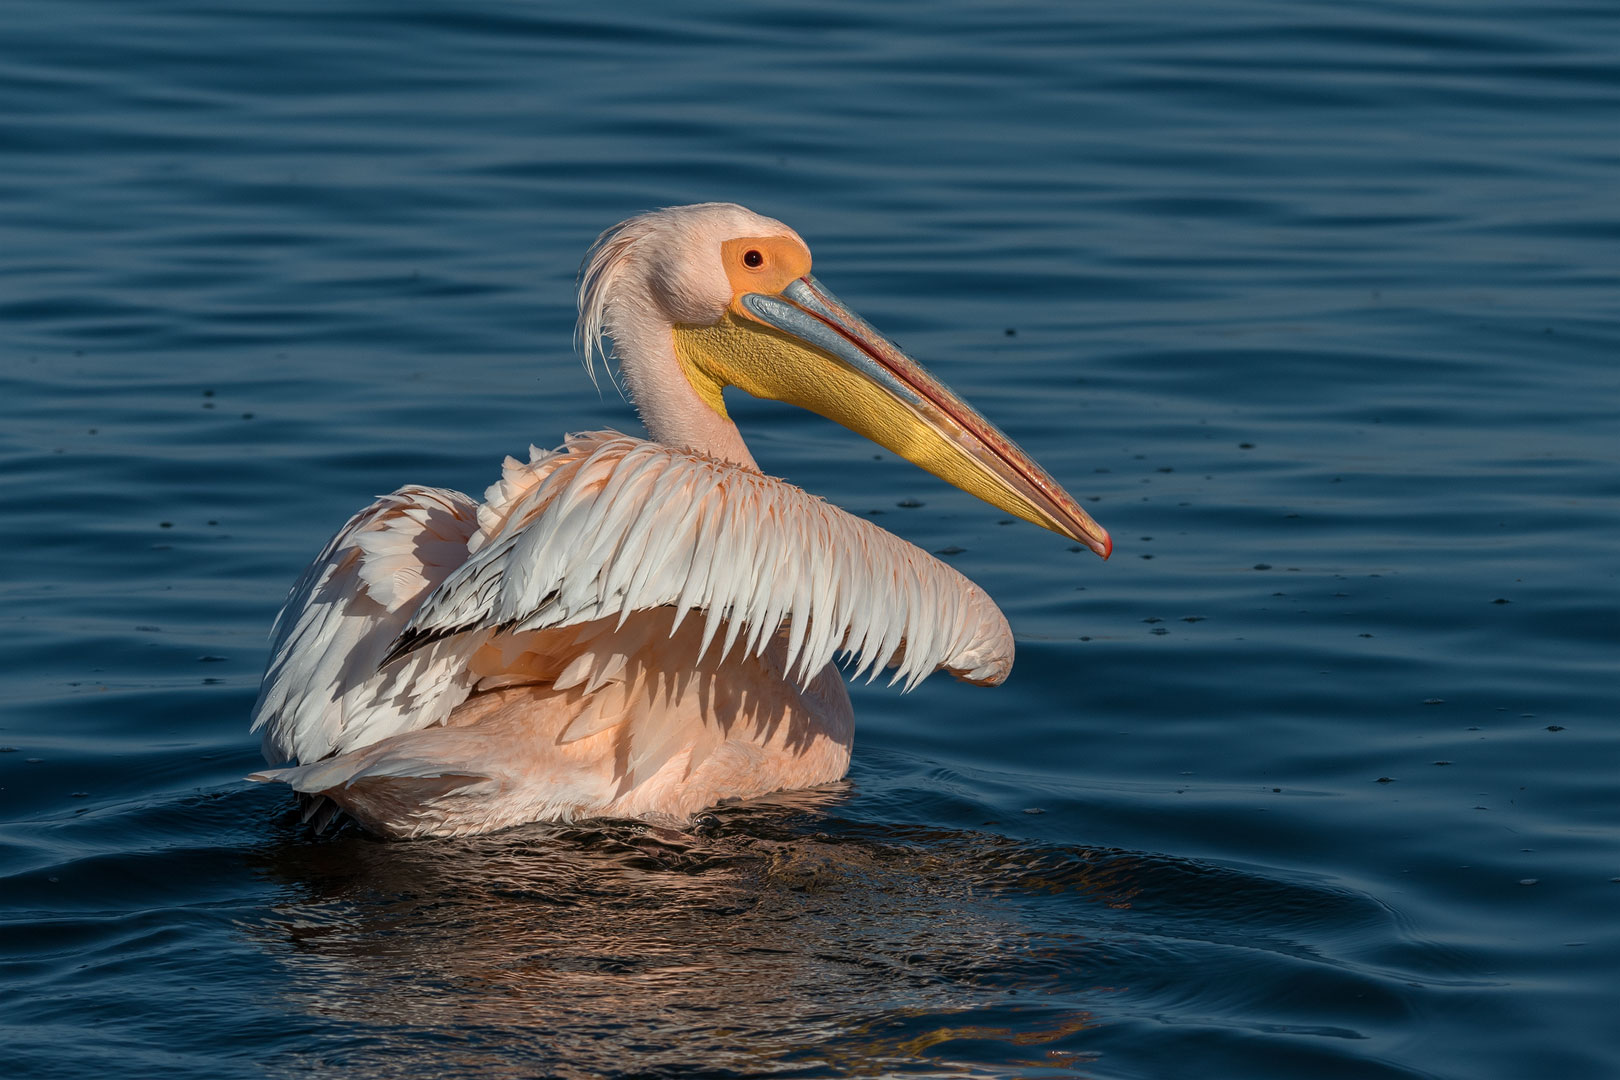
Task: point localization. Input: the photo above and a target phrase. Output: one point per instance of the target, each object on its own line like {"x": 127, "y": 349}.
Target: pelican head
{"x": 699, "y": 298}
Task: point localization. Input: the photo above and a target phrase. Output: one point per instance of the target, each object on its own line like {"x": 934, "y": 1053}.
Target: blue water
{"x": 1315, "y": 307}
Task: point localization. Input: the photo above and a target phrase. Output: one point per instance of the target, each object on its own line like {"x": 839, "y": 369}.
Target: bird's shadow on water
{"x": 782, "y": 935}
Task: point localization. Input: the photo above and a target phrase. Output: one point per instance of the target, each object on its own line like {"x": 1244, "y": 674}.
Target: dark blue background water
{"x": 1316, "y": 304}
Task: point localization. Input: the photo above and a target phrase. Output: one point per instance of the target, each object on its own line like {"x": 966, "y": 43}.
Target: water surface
{"x": 1314, "y": 307}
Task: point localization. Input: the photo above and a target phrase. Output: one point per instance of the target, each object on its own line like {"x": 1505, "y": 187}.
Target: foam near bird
{"x": 644, "y": 627}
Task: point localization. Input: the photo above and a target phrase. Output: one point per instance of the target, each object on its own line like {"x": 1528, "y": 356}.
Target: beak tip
{"x": 1094, "y": 538}
{"x": 1089, "y": 533}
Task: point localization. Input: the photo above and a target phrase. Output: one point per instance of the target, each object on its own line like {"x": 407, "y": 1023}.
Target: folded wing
{"x": 323, "y": 693}
{"x": 613, "y": 525}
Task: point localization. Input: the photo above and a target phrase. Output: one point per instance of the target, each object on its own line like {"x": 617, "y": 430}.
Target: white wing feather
{"x": 323, "y": 693}
{"x": 611, "y": 525}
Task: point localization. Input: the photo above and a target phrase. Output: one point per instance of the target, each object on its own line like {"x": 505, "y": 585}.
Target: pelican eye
{"x": 753, "y": 259}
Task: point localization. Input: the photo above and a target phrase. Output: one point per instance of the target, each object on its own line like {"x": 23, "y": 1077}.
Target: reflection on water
{"x": 769, "y": 937}
{"x": 566, "y": 949}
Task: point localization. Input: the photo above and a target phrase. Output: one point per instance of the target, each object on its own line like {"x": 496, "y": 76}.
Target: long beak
{"x": 803, "y": 346}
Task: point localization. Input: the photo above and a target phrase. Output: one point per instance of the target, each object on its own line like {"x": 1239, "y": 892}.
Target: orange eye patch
{"x": 763, "y": 264}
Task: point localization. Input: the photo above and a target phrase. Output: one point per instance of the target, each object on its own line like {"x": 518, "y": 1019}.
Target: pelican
{"x": 643, "y": 628}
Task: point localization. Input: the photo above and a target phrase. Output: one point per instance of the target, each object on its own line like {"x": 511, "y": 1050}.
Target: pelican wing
{"x": 323, "y": 692}
{"x": 612, "y": 525}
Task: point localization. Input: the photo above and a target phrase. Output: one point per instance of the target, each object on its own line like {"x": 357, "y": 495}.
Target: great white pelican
{"x": 635, "y": 627}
